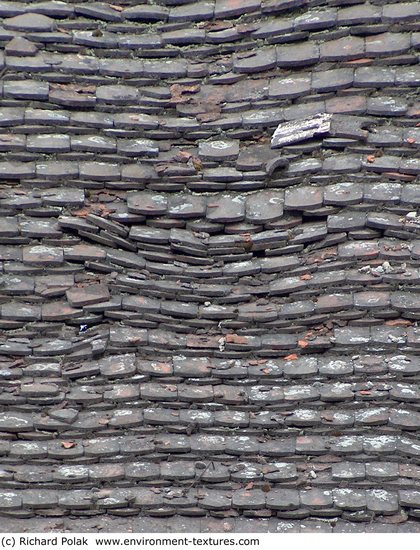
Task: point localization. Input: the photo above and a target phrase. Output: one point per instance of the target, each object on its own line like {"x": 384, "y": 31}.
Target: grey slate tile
{"x": 72, "y": 99}
{"x": 386, "y": 106}
{"x": 48, "y": 143}
{"x": 20, "y": 46}
{"x": 117, "y": 94}
{"x": 326, "y": 81}
{"x": 43, "y": 255}
{"x": 289, "y": 87}
{"x": 224, "y": 8}
{"x": 219, "y": 150}
{"x": 387, "y": 44}
{"x": 55, "y": 9}
{"x": 283, "y": 499}
{"x": 198, "y": 11}
{"x": 263, "y": 60}
{"x": 93, "y": 144}
{"x": 11, "y": 9}
{"x": 26, "y": 89}
{"x": 342, "y": 49}
{"x": 146, "y": 13}
{"x": 276, "y": 27}
{"x": 350, "y": 499}
{"x": 226, "y": 209}
{"x": 300, "y": 55}
{"x": 359, "y": 14}
{"x": 30, "y": 22}
{"x": 138, "y": 148}
{"x": 98, "y": 10}
{"x": 87, "y": 295}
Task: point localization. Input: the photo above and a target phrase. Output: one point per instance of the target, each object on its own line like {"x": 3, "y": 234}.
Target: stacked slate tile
{"x": 210, "y": 265}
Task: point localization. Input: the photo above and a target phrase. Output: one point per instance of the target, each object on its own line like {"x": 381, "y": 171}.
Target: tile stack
{"x": 195, "y": 323}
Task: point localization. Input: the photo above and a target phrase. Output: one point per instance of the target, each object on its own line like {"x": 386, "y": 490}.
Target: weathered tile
{"x": 303, "y": 198}
{"x": 43, "y": 255}
{"x": 299, "y": 130}
{"x": 227, "y": 8}
{"x": 32, "y": 22}
{"x": 219, "y": 150}
{"x": 299, "y": 55}
{"x": 127, "y": 336}
{"x": 289, "y": 87}
{"x": 259, "y": 61}
{"x": 226, "y": 209}
{"x": 20, "y": 46}
{"x": 145, "y": 13}
{"x": 341, "y": 49}
{"x": 147, "y": 204}
{"x": 26, "y": 89}
{"x": 90, "y": 294}
{"x": 117, "y": 366}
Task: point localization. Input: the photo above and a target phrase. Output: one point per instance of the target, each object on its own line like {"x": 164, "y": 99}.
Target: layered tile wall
{"x": 193, "y": 323}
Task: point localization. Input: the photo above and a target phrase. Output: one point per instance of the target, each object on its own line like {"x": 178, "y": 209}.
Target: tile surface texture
{"x": 200, "y": 331}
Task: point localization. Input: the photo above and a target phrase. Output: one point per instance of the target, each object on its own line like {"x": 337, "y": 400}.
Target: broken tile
{"x": 86, "y": 295}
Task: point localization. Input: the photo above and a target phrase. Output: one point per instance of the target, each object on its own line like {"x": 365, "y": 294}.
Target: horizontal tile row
{"x": 294, "y": 85}
{"x": 375, "y": 501}
{"x": 289, "y": 474}
{"x": 69, "y": 420}
{"x": 302, "y": 54}
{"x": 380, "y": 304}
{"x": 246, "y": 221}
{"x": 202, "y": 444}
{"x": 217, "y": 179}
{"x": 219, "y": 9}
{"x": 270, "y": 345}
{"x": 195, "y": 369}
